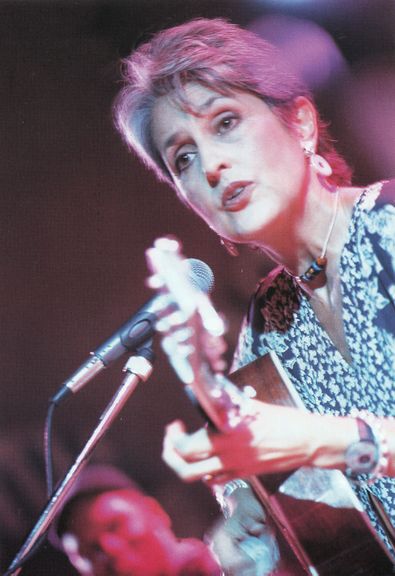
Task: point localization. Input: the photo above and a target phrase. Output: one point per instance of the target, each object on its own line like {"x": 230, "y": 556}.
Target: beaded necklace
{"x": 319, "y": 264}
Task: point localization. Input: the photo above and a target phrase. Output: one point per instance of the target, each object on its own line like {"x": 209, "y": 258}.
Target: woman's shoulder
{"x": 387, "y": 193}
{"x": 374, "y": 226}
{"x": 374, "y": 213}
{"x": 378, "y": 196}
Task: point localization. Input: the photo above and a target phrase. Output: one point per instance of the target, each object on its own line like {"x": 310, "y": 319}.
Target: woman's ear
{"x": 305, "y": 122}
{"x": 306, "y": 127}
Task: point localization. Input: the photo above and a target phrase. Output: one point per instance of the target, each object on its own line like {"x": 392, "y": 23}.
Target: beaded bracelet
{"x": 380, "y": 439}
{"x": 223, "y": 493}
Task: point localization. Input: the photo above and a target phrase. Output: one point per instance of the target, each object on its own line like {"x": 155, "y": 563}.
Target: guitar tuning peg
{"x": 155, "y": 281}
{"x": 168, "y": 244}
{"x": 178, "y": 355}
{"x": 171, "y": 321}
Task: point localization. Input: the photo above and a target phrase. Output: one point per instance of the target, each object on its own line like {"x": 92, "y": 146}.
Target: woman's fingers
{"x": 213, "y": 457}
{"x": 189, "y": 455}
{"x": 195, "y": 446}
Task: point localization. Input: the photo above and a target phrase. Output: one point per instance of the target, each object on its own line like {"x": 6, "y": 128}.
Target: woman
{"x": 214, "y": 112}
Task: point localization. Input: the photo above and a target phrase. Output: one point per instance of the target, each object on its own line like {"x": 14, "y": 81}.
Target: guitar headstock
{"x": 193, "y": 334}
{"x": 191, "y": 315}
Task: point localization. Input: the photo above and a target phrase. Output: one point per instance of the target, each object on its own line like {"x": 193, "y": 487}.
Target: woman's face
{"x": 232, "y": 160}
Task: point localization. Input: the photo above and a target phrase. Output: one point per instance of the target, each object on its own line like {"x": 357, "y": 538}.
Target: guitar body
{"x": 317, "y": 507}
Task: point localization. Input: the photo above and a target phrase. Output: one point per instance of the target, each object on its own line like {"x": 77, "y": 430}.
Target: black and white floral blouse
{"x": 281, "y": 319}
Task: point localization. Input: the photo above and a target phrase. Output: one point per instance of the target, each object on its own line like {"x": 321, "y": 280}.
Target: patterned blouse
{"x": 281, "y": 319}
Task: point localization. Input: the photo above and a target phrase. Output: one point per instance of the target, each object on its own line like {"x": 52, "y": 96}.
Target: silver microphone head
{"x": 200, "y": 275}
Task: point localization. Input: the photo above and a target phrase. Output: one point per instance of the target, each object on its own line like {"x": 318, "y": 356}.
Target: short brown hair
{"x": 219, "y": 55}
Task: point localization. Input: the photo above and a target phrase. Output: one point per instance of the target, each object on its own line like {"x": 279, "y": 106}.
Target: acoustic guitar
{"x": 321, "y": 527}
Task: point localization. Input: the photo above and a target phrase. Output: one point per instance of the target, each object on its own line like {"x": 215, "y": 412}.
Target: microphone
{"x": 136, "y": 331}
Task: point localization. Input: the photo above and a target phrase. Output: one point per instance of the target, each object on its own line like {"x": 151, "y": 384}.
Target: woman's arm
{"x": 275, "y": 439}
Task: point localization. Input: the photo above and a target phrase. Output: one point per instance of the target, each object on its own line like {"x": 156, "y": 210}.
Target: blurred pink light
{"x": 308, "y": 48}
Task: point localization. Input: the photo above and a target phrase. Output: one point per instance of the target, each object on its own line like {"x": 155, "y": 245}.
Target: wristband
{"x": 224, "y": 491}
{"x": 369, "y": 456}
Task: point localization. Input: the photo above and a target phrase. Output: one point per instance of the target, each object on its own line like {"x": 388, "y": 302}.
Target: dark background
{"x": 78, "y": 212}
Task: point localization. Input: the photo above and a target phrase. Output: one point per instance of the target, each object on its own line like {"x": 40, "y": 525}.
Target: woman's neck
{"x": 322, "y": 218}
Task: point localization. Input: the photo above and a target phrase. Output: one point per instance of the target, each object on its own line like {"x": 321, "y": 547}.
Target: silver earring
{"x": 318, "y": 162}
{"x": 229, "y": 247}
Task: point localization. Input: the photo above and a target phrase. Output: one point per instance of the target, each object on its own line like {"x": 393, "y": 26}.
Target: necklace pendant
{"x": 318, "y": 265}
{"x": 315, "y": 268}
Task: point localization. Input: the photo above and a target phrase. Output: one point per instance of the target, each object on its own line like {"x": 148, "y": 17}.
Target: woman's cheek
{"x": 191, "y": 197}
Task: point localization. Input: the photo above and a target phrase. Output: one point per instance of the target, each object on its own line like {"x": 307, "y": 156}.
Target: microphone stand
{"x": 138, "y": 368}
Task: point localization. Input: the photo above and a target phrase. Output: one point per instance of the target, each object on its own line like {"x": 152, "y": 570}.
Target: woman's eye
{"x": 183, "y": 160}
{"x": 226, "y": 123}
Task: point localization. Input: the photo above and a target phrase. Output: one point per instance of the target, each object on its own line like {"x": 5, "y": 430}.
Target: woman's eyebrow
{"x": 175, "y": 138}
{"x": 209, "y": 102}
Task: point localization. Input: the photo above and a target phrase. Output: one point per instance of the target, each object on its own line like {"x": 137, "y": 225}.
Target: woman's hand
{"x": 245, "y": 543}
{"x": 275, "y": 439}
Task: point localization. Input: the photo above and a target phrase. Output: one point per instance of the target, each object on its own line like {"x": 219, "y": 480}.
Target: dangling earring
{"x": 320, "y": 165}
{"x": 229, "y": 247}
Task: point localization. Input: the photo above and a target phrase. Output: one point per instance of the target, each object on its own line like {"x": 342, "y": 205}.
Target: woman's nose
{"x": 214, "y": 172}
{"x": 214, "y": 162}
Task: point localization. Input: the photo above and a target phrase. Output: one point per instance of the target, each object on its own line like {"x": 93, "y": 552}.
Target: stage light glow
{"x": 310, "y": 49}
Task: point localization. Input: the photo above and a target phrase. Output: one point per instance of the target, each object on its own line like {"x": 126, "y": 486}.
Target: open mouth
{"x": 236, "y": 196}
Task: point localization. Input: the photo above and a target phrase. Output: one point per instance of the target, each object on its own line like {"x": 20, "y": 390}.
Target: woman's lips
{"x": 236, "y": 196}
